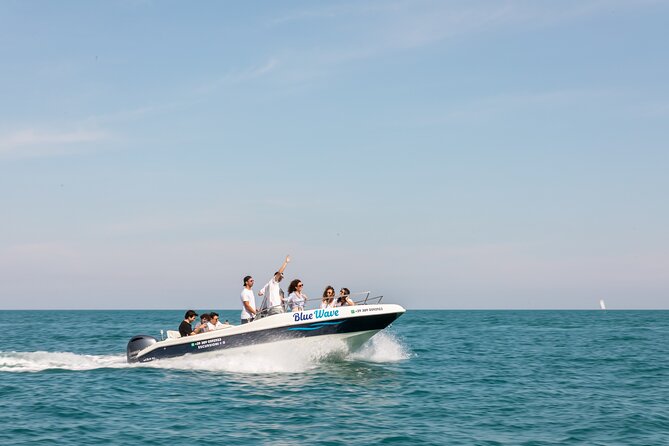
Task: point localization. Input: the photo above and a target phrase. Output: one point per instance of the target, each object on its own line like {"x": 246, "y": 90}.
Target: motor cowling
{"x": 138, "y": 343}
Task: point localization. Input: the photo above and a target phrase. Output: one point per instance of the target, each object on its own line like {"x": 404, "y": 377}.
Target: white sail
{"x": 601, "y": 304}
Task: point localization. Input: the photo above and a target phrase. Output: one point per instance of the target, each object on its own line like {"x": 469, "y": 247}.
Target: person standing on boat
{"x": 248, "y": 301}
{"x": 296, "y": 298}
{"x": 274, "y": 296}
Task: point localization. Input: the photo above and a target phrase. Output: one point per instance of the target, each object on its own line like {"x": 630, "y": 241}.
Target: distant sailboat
{"x": 601, "y": 304}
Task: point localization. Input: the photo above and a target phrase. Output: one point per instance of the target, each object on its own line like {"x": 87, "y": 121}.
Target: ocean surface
{"x": 433, "y": 377}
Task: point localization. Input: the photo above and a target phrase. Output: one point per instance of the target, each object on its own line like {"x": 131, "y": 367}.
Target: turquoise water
{"x": 433, "y": 377}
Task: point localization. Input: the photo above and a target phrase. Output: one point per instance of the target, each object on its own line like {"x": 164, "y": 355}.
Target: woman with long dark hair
{"x": 296, "y": 298}
{"x": 328, "y": 297}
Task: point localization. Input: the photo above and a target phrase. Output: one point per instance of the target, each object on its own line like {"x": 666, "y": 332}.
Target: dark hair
{"x": 246, "y": 279}
{"x": 293, "y": 285}
{"x": 204, "y": 316}
{"x": 213, "y": 314}
{"x": 342, "y": 298}
{"x": 190, "y": 313}
{"x": 325, "y": 291}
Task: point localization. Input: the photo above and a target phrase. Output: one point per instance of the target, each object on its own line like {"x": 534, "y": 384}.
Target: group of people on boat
{"x": 208, "y": 322}
{"x": 274, "y": 302}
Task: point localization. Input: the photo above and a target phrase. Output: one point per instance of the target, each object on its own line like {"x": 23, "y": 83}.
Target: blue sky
{"x": 475, "y": 154}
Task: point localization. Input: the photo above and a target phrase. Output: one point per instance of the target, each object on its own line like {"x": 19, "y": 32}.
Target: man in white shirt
{"x": 274, "y": 298}
{"x": 248, "y": 301}
{"x": 214, "y": 323}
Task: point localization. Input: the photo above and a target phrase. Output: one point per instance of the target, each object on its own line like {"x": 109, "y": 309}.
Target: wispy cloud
{"x": 35, "y": 143}
{"x": 239, "y": 76}
{"x": 400, "y": 25}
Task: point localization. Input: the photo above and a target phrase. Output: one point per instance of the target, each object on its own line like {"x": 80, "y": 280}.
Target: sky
{"x": 443, "y": 154}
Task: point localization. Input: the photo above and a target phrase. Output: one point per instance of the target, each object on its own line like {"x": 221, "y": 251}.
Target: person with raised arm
{"x": 274, "y": 299}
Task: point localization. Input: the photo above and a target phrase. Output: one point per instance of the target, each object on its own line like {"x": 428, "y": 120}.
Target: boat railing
{"x": 359, "y": 298}
{"x": 367, "y": 300}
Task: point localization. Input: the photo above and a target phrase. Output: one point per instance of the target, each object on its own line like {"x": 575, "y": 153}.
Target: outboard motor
{"x": 138, "y": 343}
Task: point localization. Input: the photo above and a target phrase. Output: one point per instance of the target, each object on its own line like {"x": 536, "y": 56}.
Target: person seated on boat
{"x": 344, "y": 298}
{"x": 185, "y": 329}
{"x": 328, "y": 297}
{"x": 202, "y": 325}
{"x": 296, "y": 298}
{"x": 214, "y": 323}
{"x": 274, "y": 298}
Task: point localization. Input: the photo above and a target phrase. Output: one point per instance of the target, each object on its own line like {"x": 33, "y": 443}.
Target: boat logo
{"x": 317, "y": 314}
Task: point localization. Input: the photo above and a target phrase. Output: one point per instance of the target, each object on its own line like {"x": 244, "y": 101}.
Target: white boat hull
{"x": 352, "y": 325}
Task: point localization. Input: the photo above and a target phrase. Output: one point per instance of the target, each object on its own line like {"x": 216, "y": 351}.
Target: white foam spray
{"x": 279, "y": 357}
{"x": 39, "y": 361}
{"x": 384, "y": 347}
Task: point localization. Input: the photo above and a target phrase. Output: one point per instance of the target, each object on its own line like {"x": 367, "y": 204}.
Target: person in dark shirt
{"x": 185, "y": 329}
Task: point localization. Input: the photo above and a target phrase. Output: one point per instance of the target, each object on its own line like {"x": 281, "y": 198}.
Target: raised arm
{"x": 285, "y": 263}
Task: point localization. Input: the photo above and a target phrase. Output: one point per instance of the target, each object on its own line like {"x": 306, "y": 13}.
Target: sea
{"x": 434, "y": 377}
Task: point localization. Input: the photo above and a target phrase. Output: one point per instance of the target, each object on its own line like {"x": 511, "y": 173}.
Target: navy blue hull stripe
{"x": 314, "y": 326}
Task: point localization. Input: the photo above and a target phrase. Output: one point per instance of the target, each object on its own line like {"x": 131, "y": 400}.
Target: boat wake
{"x": 39, "y": 361}
{"x": 267, "y": 358}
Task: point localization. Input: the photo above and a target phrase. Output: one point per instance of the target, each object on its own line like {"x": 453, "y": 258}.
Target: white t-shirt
{"x": 247, "y": 296}
{"x": 218, "y": 326}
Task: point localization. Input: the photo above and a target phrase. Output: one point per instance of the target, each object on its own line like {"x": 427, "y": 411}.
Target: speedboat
{"x": 351, "y": 324}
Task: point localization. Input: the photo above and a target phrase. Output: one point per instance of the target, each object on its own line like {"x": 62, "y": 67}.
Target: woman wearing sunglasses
{"x": 344, "y": 298}
{"x": 328, "y": 297}
{"x": 296, "y": 298}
